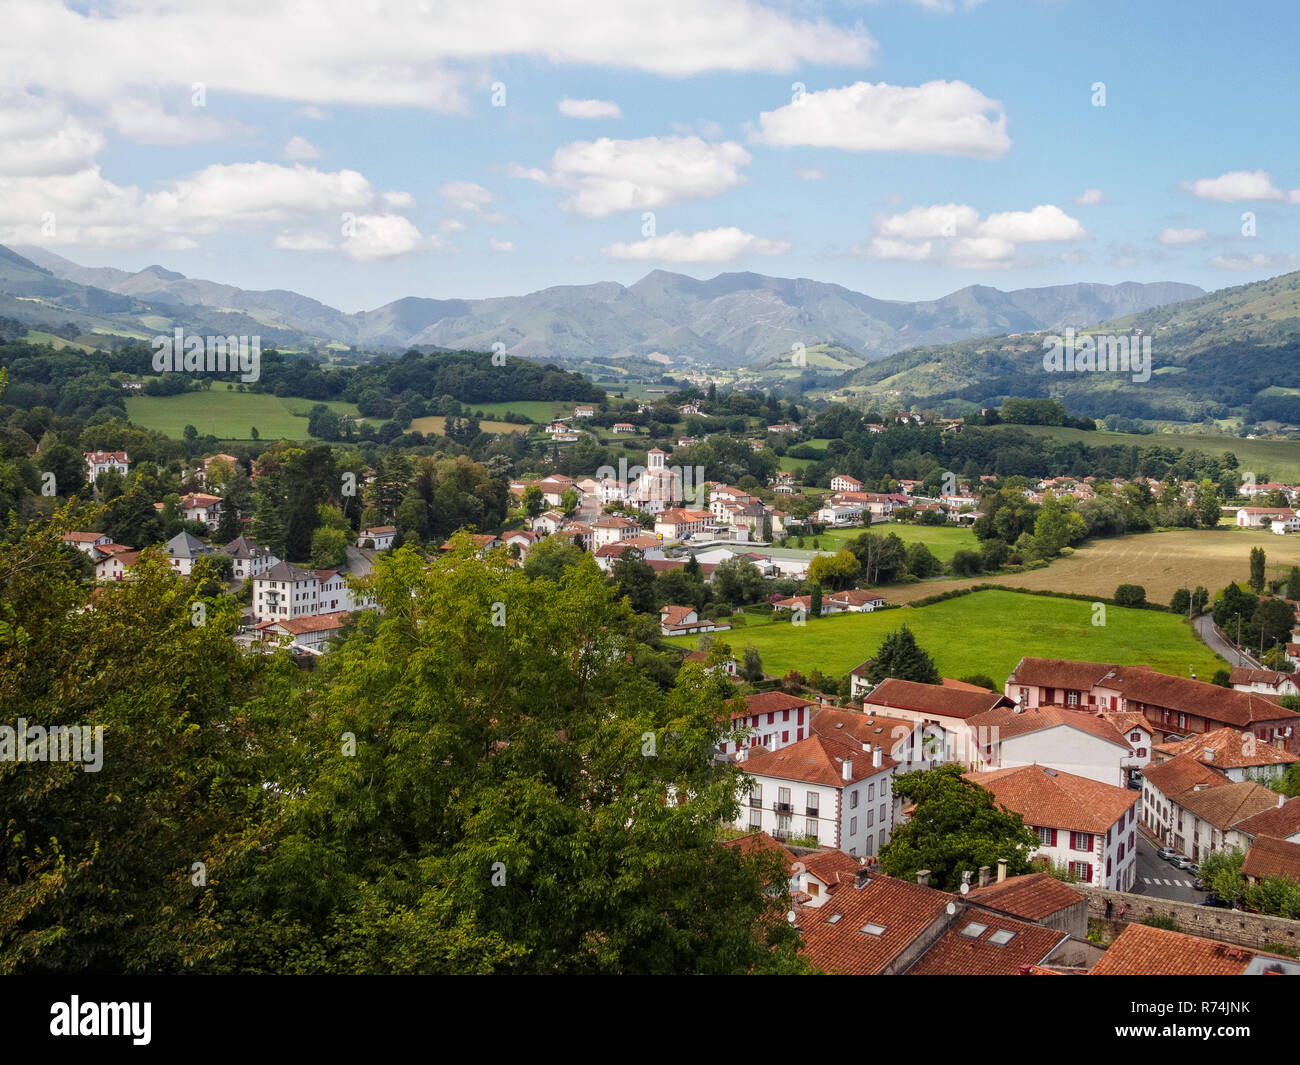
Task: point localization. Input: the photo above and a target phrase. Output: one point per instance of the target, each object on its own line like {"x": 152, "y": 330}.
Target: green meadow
{"x": 985, "y": 632}
{"x": 228, "y": 415}
{"x": 944, "y": 541}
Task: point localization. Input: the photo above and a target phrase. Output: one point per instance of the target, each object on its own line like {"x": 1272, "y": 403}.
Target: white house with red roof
{"x": 829, "y": 791}
{"x": 842, "y": 482}
{"x": 380, "y": 536}
{"x": 1082, "y": 823}
{"x": 98, "y": 462}
{"x": 85, "y": 542}
{"x": 307, "y": 633}
{"x": 116, "y": 565}
{"x": 1072, "y": 740}
{"x": 201, "y": 507}
{"x": 772, "y": 720}
{"x": 611, "y": 528}
{"x": 676, "y": 523}
{"x": 685, "y": 620}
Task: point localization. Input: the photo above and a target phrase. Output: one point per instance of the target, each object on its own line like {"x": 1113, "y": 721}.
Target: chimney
{"x": 923, "y": 877}
{"x": 1209, "y": 754}
{"x": 877, "y": 757}
{"x": 1281, "y": 801}
{"x": 986, "y": 874}
{"x": 862, "y": 878}
{"x": 1002, "y": 869}
{"x": 847, "y": 769}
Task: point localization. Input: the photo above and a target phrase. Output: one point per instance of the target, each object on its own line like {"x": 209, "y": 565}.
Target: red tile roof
{"x": 1030, "y": 897}
{"x": 769, "y": 702}
{"x": 1181, "y": 774}
{"x": 969, "y": 948}
{"x": 1010, "y": 724}
{"x": 934, "y": 699}
{"x": 877, "y": 730}
{"x": 1058, "y": 673}
{"x": 814, "y": 760}
{"x": 1141, "y": 950}
{"x": 832, "y": 867}
{"x": 833, "y": 936}
{"x": 1227, "y": 804}
{"x": 1272, "y": 857}
{"x": 1280, "y": 822}
{"x": 1229, "y": 748}
{"x": 1052, "y": 798}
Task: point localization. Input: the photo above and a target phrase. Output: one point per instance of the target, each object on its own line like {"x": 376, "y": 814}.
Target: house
{"x": 1262, "y": 517}
{"x": 548, "y": 522}
{"x": 1039, "y": 898}
{"x": 624, "y": 427}
{"x": 1075, "y": 742}
{"x": 689, "y": 408}
{"x": 482, "y": 543}
{"x": 1082, "y": 823}
{"x": 1282, "y": 526}
{"x": 98, "y": 462}
{"x": 1271, "y": 857}
{"x": 201, "y": 507}
{"x": 380, "y": 536}
{"x": 649, "y": 548}
{"x": 1172, "y": 706}
{"x": 858, "y": 683}
{"x": 115, "y": 566}
{"x": 558, "y": 429}
{"x": 783, "y": 428}
{"x": 201, "y": 474}
{"x": 942, "y": 706}
{"x": 1134, "y": 728}
{"x": 677, "y": 523}
{"x": 1238, "y": 755}
{"x": 183, "y": 550}
{"x": 819, "y": 789}
{"x": 554, "y": 487}
{"x": 772, "y": 720}
{"x": 285, "y": 591}
{"x": 902, "y": 740}
{"x": 683, "y": 620}
{"x": 85, "y": 542}
{"x": 584, "y": 412}
{"x": 309, "y": 633}
{"x": 1196, "y": 809}
{"x": 612, "y": 528}
{"x": 842, "y": 482}
{"x": 519, "y": 542}
{"x": 1141, "y": 950}
{"x": 248, "y": 559}
{"x": 1264, "y": 681}
{"x": 730, "y": 666}
{"x": 817, "y": 877}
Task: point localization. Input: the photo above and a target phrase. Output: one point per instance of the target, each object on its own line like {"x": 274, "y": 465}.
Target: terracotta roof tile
{"x": 814, "y": 760}
{"x": 1181, "y": 774}
{"x": 1272, "y": 857}
{"x": 1231, "y": 749}
{"x": 987, "y": 944}
{"x": 934, "y": 699}
{"x": 1010, "y": 724}
{"x": 1030, "y": 897}
{"x": 1227, "y": 804}
{"x": 1055, "y": 799}
{"x": 1141, "y": 950}
{"x": 1279, "y": 822}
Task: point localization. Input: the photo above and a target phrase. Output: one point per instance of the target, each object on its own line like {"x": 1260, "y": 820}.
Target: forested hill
{"x": 1235, "y": 352}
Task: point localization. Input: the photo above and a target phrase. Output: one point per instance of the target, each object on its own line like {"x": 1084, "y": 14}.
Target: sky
{"x": 358, "y": 152}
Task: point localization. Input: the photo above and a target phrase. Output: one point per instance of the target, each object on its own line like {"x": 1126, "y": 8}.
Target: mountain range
{"x": 734, "y": 319}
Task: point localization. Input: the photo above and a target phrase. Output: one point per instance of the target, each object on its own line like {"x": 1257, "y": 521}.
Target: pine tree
{"x": 267, "y": 526}
{"x": 1257, "y": 561}
{"x": 902, "y": 658}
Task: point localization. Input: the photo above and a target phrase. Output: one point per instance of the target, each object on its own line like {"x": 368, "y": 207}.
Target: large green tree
{"x": 900, "y": 656}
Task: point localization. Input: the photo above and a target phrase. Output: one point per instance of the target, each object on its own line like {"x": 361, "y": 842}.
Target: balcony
{"x": 782, "y": 807}
{"x": 811, "y": 811}
{"x": 755, "y": 803}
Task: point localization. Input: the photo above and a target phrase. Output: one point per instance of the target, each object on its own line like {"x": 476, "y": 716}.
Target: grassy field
{"x": 1161, "y": 562}
{"x": 541, "y": 411}
{"x": 434, "y": 423}
{"x": 1278, "y": 459}
{"x": 227, "y": 415}
{"x": 944, "y": 541}
{"x": 986, "y": 632}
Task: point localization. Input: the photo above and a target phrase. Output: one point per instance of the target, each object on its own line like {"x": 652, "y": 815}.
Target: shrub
{"x": 1130, "y": 595}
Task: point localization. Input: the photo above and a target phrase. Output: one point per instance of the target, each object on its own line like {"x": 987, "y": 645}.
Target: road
{"x": 1158, "y": 879}
{"x": 1220, "y": 646}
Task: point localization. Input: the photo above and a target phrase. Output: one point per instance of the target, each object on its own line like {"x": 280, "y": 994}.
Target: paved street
{"x": 1159, "y": 879}
{"x": 1205, "y": 628}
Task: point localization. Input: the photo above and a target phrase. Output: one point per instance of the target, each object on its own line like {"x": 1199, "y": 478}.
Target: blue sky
{"x": 935, "y": 145}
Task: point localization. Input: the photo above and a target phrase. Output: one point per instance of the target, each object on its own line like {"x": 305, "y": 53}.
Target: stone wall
{"x": 1231, "y": 926}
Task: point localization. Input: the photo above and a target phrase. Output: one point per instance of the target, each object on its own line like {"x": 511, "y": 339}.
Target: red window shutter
{"x": 785, "y": 736}
{"x": 1053, "y": 843}
{"x": 1087, "y": 870}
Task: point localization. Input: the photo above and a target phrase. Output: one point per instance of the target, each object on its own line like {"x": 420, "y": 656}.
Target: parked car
{"x": 1214, "y": 900}
{"x": 1194, "y": 869}
{"x": 1181, "y": 862}
{"x": 1166, "y": 854}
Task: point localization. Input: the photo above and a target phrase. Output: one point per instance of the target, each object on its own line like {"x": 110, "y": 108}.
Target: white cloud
{"x": 381, "y": 236}
{"x": 1044, "y": 222}
{"x": 1239, "y": 186}
{"x": 451, "y": 225}
{"x": 312, "y": 112}
{"x": 981, "y": 253}
{"x": 225, "y": 194}
{"x": 396, "y": 53}
{"x": 398, "y": 200}
{"x": 1181, "y": 236}
{"x": 607, "y": 175}
{"x": 811, "y": 173}
{"x": 465, "y": 196}
{"x": 297, "y": 148}
{"x": 146, "y": 121}
{"x": 529, "y": 173}
{"x": 501, "y": 245}
{"x": 939, "y": 117}
{"x": 707, "y": 246}
{"x": 290, "y": 240}
{"x": 1258, "y": 261}
{"x": 1089, "y": 197}
{"x": 940, "y": 220}
{"x": 38, "y": 138}
{"x": 947, "y": 7}
{"x": 589, "y": 108}
{"x": 889, "y": 249}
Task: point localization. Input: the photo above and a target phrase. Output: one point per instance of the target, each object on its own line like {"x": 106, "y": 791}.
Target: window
{"x": 853, "y": 799}
{"x": 874, "y": 929}
{"x": 1083, "y": 870}
{"x": 1142, "y": 752}
{"x": 1001, "y": 937}
{"x": 974, "y": 930}
{"x": 1080, "y": 841}
{"x": 814, "y": 803}
{"x": 810, "y": 827}
{"x": 756, "y": 796}
{"x": 853, "y": 826}
{"x": 871, "y": 818}
{"x": 755, "y": 819}
{"x": 785, "y": 736}
{"x": 783, "y": 798}
{"x": 882, "y": 814}
{"x": 814, "y": 888}
{"x": 1182, "y": 721}
{"x": 1047, "y": 836}
{"x": 1072, "y": 699}
{"x": 871, "y": 793}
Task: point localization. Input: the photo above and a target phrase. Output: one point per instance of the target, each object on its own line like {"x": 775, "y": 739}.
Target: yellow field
{"x": 1160, "y": 562}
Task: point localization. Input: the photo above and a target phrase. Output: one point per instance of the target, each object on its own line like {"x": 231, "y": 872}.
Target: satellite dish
{"x": 952, "y": 908}
{"x": 790, "y": 916}
{"x": 965, "y": 888}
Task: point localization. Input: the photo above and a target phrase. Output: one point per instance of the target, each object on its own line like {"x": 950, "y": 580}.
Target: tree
{"x": 1293, "y": 584}
{"x": 1200, "y": 598}
{"x": 1133, "y": 595}
{"x": 955, "y": 827}
{"x": 1206, "y": 503}
{"x": 815, "y": 602}
{"x": 738, "y": 581}
{"x": 921, "y": 561}
{"x": 900, "y": 657}
{"x": 752, "y": 669}
{"x": 533, "y": 501}
{"x": 1181, "y": 602}
{"x": 836, "y": 571}
{"x": 1222, "y": 678}
{"x": 329, "y": 548}
{"x": 267, "y": 526}
{"x": 980, "y": 680}
{"x": 1257, "y": 563}
{"x": 634, "y": 578}
{"x": 1271, "y": 621}
{"x": 1231, "y": 603}
{"x": 1221, "y": 874}
{"x": 550, "y": 559}
{"x": 569, "y": 500}
{"x": 966, "y": 563}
